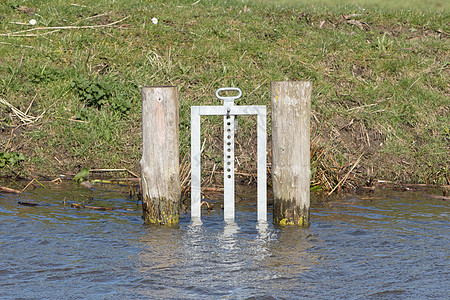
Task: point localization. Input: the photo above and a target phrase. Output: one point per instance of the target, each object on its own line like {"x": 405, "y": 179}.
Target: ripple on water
{"x": 395, "y": 247}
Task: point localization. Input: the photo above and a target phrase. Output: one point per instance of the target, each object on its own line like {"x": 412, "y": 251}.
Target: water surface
{"x": 393, "y": 245}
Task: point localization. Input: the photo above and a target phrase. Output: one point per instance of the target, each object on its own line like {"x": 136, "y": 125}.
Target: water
{"x": 394, "y": 245}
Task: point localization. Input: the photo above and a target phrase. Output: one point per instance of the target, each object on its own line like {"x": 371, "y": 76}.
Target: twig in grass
{"x": 56, "y": 180}
{"x": 255, "y": 89}
{"x": 78, "y": 5}
{"x": 31, "y": 103}
{"x": 185, "y": 173}
{"x": 412, "y": 85}
{"x": 90, "y": 18}
{"x": 8, "y": 190}
{"x": 29, "y": 183}
{"x": 363, "y": 106}
{"x": 9, "y": 140}
{"x": 24, "y": 46}
{"x": 24, "y": 117}
{"x": 212, "y": 174}
{"x": 39, "y": 183}
{"x": 359, "y": 24}
{"x": 114, "y": 170}
{"x": 207, "y": 205}
{"x": 76, "y": 205}
{"x": 57, "y": 28}
{"x": 309, "y": 65}
{"x": 19, "y": 23}
{"x": 30, "y": 34}
{"x": 125, "y": 180}
{"x": 71, "y": 120}
{"x": 346, "y": 175}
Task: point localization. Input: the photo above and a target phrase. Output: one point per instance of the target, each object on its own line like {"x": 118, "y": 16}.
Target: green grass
{"x": 383, "y": 4}
{"x": 380, "y": 73}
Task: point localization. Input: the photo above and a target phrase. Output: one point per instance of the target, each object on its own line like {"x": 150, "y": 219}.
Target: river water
{"x": 392, "y": 245}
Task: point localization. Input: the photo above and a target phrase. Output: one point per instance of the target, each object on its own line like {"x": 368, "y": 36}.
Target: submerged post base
{"x": 154, "y": 213}
{"x": 285, "y": 212}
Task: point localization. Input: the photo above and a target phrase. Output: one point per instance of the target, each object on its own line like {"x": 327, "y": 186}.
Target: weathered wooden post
{"x": 291, "y": 105}
{"x": 161, "y": 189}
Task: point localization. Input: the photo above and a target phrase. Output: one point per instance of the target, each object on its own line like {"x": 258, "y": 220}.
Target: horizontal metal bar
{"x": 233, "y": 110}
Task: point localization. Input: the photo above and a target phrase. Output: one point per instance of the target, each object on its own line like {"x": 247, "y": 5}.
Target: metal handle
{"x": 229, "y": 99}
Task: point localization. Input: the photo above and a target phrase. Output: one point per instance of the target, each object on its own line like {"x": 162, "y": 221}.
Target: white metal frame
{"x": 228, "y": 111}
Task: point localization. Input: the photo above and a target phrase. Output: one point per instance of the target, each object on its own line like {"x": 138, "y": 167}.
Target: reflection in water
{"x": 289, "y": 259}
{"x": 157, "y": 262}
{"x": 290, "y": 255}
{"x": 227, "y": 239}
{"x": 223, "y": 259}
{"x": 391, "y": 247}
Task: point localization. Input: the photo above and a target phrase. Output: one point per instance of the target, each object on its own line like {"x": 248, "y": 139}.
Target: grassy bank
{"x": 380, "y": 76}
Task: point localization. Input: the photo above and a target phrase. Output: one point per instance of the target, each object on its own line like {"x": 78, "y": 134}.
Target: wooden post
{"x": 161, "y": 189}
{"x": 291, "y": 105}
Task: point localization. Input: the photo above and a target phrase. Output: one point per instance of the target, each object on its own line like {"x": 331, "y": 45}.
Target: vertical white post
{"x": 262, "y": 164}
{"x": 195, "y": 163}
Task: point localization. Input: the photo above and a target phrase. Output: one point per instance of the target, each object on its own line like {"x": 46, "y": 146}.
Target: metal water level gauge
{"x": 229, "y": 111}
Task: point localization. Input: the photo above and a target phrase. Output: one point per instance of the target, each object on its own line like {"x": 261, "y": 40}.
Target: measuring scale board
{"x": 229, "y": 111}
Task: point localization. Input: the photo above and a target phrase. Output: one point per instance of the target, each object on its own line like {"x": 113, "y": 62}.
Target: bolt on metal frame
{"x": 229, "y": 111}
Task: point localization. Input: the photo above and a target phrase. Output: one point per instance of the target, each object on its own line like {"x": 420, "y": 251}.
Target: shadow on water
{"x": 391, "y": 245}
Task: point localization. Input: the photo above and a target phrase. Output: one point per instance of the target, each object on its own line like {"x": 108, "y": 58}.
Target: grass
{"x": 380, "y": 73}
{"x": 436, "y": 5}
